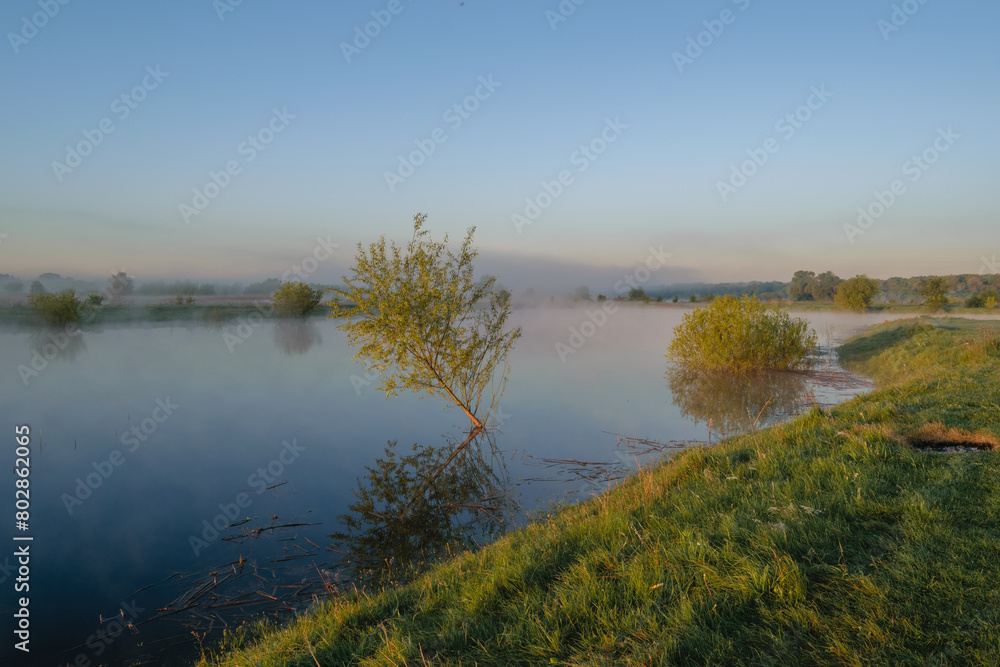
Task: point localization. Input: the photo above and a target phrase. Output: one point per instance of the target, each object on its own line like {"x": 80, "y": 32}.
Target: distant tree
{"x": 295, "y": 299}
{"x": 675, "y": 299}
{"x": 982, "y": 299}
{"x": 601, "y": 297}
{"x": 659, "y": 299}
{"x": 14, "y": 287}
{"x": 637, "y": 294}
{"x": 934, "y": 290}
{"x": 94, "y": 300}
{"x": 581, "y": 293}
{"x": 857, "y": 293}
{"x": 693, "y": 298}
{"x": 37, "y": 288}
{"x": 824, "y": 287}
{"x": 120, "y": 284}
{"x": 800, "y": 288}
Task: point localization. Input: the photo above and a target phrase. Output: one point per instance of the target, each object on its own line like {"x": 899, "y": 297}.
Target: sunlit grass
{"x": 825, "y": 541}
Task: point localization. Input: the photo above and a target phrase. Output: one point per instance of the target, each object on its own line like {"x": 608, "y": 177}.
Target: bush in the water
{"x": 56, "y": 309}
{"x": 295, "y": 299}
{"x": 741, "y": 335}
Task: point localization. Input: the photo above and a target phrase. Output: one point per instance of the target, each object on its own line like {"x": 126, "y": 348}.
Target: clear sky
{"x": 649, "y": 111}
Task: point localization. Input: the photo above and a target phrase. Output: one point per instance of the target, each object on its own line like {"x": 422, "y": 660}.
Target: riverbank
{"x": 842, "y": 537}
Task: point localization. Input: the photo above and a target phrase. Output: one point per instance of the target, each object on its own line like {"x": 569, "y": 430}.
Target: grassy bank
{"x": 834, "y": 539}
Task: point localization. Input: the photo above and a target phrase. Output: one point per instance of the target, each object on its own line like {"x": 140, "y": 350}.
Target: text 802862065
{"x": 22, "y": 513}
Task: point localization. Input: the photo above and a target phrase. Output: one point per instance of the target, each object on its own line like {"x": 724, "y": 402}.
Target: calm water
{"x": 142, "y": 438}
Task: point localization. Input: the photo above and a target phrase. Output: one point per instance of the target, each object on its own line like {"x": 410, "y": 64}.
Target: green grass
{"x": 828, "y": 540}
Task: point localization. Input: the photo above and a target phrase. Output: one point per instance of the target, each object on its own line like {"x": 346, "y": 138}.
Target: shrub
{"x": 741, "y": 335}
{"x": 295, "y": 299}
{"x": 94, "y": 300}
{"x": 985, "y": 299}
{"x": 56, "y": 309}
{"x": 857, "y": 293}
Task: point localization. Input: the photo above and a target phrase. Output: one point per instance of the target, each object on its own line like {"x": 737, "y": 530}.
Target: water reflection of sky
{"x": 286, "y": 383}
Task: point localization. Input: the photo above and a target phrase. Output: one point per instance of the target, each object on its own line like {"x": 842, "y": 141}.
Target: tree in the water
{"x": 424, "y": 322}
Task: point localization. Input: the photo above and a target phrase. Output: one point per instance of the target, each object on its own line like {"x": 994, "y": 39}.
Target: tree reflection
{"x": 733, "y": 402}
{"x": 413, "y": 508}
{"x": 296, "y": 336}
{"x": 49, "y": 344}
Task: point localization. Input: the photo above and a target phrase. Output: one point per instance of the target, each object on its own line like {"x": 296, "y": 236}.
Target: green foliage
{"x": 807, "y": 286}
{"x": 741, "y": 335}
{"x": 799, "y": 289}
{"x": 425, "y": 324}
{"x": 56, "y": 309}
{"x": 984, "y": 299}
{"x": 675, "y": 299}
{"x": 601, "y": 297}
{"x": 36, "y": 288}
{"x": 934, "y": 290}
{"x": 637, "y": 294}
{"x": 94, "y": 300}
{"x": 295, "y": 299}
{"x": 857, "y": 293}
{"x": 693, "y": 298}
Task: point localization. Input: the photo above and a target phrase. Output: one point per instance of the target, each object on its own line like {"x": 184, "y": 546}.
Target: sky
{"x": 225, "y": 140}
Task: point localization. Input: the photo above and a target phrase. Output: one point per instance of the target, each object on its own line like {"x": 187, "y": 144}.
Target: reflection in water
{"x": 412, "y": 508}
{"x": 296, "y": 336}
{"x": 49, "y": 344}
{"x": 734, "y": 402}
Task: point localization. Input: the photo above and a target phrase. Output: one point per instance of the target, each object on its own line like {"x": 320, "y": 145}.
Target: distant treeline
{"x": 53, "y": 282}
{"x": 809, "y": 286}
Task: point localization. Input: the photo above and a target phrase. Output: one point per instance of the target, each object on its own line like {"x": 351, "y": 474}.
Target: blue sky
{"x": 201, "y": 80}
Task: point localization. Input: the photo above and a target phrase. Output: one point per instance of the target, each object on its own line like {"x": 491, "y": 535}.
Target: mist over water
{"x": 142, "y": 437}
